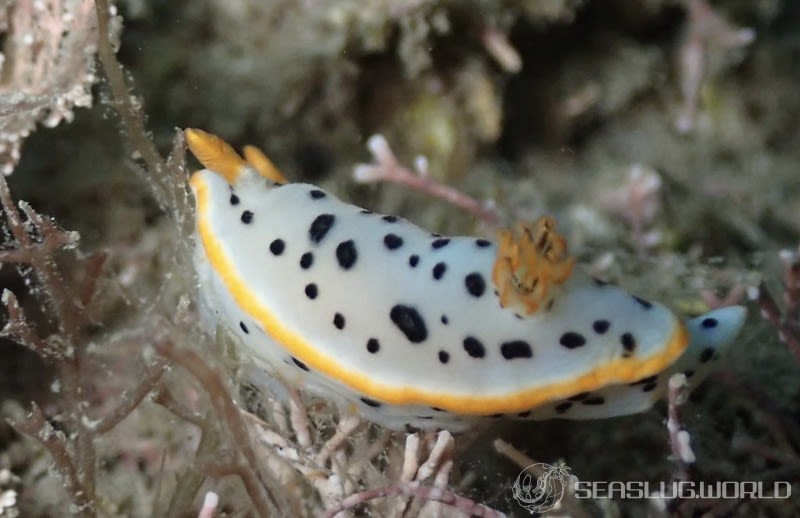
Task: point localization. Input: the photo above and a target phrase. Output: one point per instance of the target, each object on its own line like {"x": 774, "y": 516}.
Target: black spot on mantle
{"x": 409, "y": 322}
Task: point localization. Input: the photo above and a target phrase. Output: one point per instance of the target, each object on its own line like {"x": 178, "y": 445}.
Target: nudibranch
{"x": 413, "y": 329}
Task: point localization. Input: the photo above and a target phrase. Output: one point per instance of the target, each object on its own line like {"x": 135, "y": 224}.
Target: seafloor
{"x": 663, "y": 135}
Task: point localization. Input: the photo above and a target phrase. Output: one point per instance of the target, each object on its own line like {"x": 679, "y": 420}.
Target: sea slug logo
{"x": 540, "y": 487}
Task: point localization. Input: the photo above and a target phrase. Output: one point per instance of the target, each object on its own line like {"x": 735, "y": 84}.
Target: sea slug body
{"x": 412, "y": 329}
